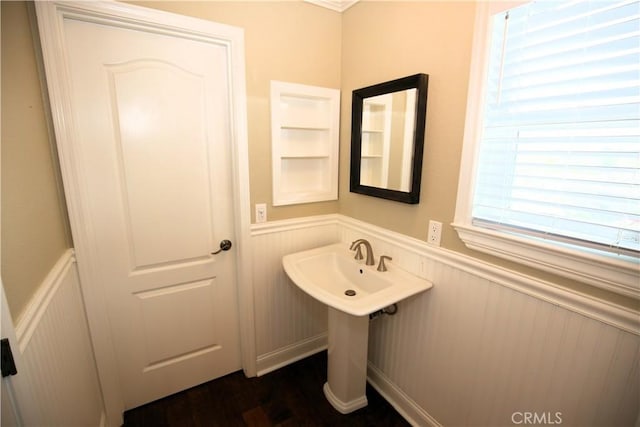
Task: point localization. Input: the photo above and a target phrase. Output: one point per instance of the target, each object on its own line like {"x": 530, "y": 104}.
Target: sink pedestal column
{"x": 346, "y": 382}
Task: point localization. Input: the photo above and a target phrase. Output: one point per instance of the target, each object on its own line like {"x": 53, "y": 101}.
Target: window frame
{"x": 615, "y": 274}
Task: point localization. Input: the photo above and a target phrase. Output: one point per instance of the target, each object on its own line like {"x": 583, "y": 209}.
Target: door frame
{"x": 51, "y": 16}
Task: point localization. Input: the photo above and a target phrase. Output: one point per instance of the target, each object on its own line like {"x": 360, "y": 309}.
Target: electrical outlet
{"x": 435, "y": 233}
{"x": 261, "y": 212}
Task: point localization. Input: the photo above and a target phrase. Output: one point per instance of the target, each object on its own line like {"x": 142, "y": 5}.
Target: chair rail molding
{"x": 57, "y": 382}
{"x": 601, "y": 310}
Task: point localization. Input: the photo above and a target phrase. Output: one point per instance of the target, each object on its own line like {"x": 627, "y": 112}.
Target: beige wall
{"x": 291, "y": 41}
{"x": 33, "y": 225}
{"x": 386, "y": 40}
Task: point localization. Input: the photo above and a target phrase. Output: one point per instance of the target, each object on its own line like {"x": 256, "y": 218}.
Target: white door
{"x": 151, "y": 113}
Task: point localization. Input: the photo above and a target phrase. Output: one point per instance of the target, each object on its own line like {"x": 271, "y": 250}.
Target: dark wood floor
{"x": 290, "y": 396}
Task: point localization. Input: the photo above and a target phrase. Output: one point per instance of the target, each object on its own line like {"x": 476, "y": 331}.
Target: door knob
{"x": 225, "y": 245}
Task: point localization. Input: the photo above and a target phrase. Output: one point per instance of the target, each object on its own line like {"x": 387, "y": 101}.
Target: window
{"x": 551, "y": 163}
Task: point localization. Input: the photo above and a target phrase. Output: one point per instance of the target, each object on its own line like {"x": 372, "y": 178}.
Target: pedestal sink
{"x": 352, "y": 291}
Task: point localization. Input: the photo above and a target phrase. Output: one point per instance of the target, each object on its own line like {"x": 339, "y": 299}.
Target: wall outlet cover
{"x": 435, "y": 233}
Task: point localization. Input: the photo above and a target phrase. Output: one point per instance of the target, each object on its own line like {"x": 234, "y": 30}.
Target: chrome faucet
{"x": 356, "y": 246}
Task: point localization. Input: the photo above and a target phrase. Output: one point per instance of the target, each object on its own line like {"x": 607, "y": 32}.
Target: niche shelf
{"x": 304, "y": 143}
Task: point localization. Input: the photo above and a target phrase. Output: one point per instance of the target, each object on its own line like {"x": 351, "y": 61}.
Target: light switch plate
{"x": 261, "y": 212}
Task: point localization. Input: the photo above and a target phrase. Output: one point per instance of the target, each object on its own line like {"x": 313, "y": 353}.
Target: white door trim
{"x": 51, "y": 16}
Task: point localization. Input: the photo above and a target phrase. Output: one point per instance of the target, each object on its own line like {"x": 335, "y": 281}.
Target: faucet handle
{"x": 381, "y": 265}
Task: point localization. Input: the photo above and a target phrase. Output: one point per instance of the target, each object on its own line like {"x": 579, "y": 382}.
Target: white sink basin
{"x": 327, "y": 272}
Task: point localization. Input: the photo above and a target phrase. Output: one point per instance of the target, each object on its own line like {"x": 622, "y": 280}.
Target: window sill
{"x": 615, "y": 275}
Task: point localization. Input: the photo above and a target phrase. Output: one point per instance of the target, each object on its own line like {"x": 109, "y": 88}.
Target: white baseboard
{"x": 407, "y": 407}
{"x": 292, "y": 353}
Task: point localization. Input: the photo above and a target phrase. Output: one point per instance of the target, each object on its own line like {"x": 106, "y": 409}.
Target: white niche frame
{"x": 305, "y": 124}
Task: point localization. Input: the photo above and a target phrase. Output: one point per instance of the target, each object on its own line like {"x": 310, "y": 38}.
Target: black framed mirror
{"x": 387, "y": 138}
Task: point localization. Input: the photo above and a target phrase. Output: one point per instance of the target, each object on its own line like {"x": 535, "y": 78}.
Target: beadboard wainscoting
{"x": 484, "y": 346}
{"x": 57, "y": 383}
{"x": 289, "y": 324}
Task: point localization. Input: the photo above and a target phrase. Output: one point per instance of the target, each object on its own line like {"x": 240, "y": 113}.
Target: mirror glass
{"x": 386, "y": 155}
{"x": 387, "y": 138}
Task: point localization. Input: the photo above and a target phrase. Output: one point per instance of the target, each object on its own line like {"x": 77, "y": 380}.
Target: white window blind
{"x": 560, "y": 145}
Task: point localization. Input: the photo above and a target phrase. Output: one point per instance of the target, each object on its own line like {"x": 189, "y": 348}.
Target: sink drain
{"x": 349, "y": 292}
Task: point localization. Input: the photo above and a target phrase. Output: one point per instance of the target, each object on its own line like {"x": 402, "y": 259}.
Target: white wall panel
{"x": 284, "y": 315}
{"x": 472, "y": 351}
{"x": 57, "y": 384}
{"x": 482, "y": 344}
